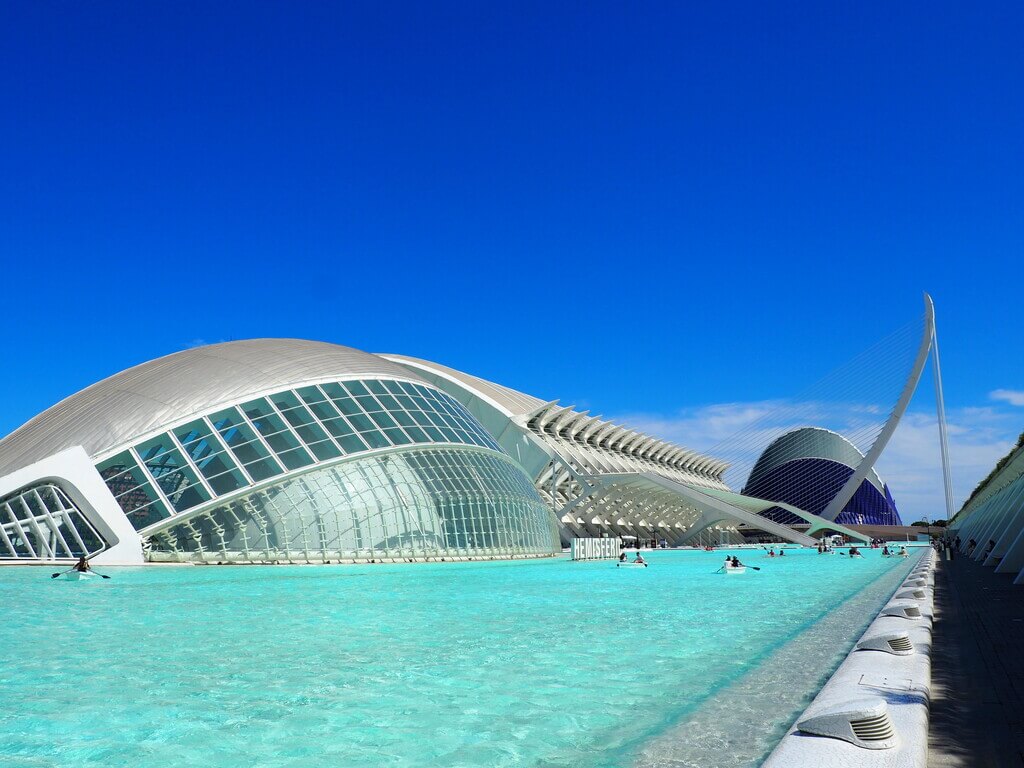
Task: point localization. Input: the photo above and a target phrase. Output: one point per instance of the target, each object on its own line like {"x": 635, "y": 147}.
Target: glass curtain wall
{"x": 440, "y": 502}
{"x": 289, "y": 431}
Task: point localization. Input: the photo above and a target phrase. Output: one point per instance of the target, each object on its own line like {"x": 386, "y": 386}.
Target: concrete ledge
{"x": 902, "y": 682}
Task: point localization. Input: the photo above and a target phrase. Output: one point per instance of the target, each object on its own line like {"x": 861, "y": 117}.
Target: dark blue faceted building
{"x": 806, "y": 468}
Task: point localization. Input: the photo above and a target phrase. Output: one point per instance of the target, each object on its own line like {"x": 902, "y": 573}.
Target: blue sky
{"x": 650, "y": 211}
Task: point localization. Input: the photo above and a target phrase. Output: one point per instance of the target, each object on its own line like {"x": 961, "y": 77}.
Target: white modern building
{"x": 990, "y": 526}
{"x": 283, "y": 450}
{"x": 266, "y": 450}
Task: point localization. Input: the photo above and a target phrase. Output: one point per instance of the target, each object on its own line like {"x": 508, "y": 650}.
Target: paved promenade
{"x": 977, "y": 710}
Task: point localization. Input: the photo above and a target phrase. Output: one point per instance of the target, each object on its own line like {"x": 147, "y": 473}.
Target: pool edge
{"x": 903, "y": 682}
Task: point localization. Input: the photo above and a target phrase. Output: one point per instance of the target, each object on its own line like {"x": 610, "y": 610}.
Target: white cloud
{"x": 1011, "y": 396}
{"x": 193, "y": 343}
{"x": 911, "y": 463}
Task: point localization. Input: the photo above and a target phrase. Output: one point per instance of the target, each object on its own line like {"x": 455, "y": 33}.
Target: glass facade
{"x": 42, "y": 523}
{"x": 236, "y": 447}
{"x": 431, "y": 502}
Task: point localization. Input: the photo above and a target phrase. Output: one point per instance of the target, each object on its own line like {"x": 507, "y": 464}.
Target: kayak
{"x": 631, "y": 565}
{"x": 734, "y": 571}
{"x": 78, "y": 576}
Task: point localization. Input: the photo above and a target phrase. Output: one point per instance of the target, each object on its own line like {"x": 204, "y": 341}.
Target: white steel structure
{"x": 604, "y": 479}
{"x": 990, "y": 526}
{"x": 264, "y": 450}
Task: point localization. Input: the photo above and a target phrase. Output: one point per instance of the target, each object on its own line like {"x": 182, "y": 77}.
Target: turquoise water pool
{"x": 532, "y": 663}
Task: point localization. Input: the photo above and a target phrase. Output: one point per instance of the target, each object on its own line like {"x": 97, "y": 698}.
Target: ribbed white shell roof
{"x": 811, "y": 442}
{"x": 143, "y": 399}
{"x": 513, "y": 402}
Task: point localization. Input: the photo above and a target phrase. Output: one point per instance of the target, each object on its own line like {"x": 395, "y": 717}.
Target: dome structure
{"x": 149, "y": 396}
{"x": 807, "y": 467}
{"x": 266, "y": 450}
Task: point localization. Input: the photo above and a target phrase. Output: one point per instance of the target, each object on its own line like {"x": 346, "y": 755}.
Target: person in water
{"x": 903, "y": 551}
{"x": 82, "y": 565}
{"x": 640, "y": 558}
{"x": 885, "y": 551}
{"x": 771, "y": 552}
{"x": 622, "y": 557}
{"x": 736, "y": 562}
{"x": 781, "y": 552}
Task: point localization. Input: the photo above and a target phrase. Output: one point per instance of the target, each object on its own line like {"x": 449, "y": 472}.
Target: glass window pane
{"x": 286, "y": 402}
{"x": 435, "y": 418}
{"x": 295, "y": 458}
{"x": 421, "y": 418}
{"x": 244, "y": 444}
{"x": 323, "y": 410}
{"x": 451, "y": 436}
{"x": 361, "y": 423}
{"x": 206, "y": 452}
{"x": 278, "y": 436}
{"x": 397, "y": 436}
{"x": 420, "y": 390}
{"x": 417, "y": 434}
{"x": 421, "y": 403}
{"x": 333, "y": 390}
{"x": 338, "y": 427}
{"x": 311, "y": 433}
{"x": 132, "y": 490}
{"x": 355, "y": 387}
{"x": 264, "y": 418}
{"x": 324, "y": 449}
{"x": 375, "y": 439}
{"x": 351, "y": 444}
{"x": 382, "y": 419}
{"x": 347, "y": 405}
{"x": 172, "y": 473}
{"x": 389, "y": 403}
{"x": 262, "y": 469}
{"x": 369, "y": 404}
{"x": 403, "y": 418}
{"x": 225, "y": 482}
{"x": 435, "y": 434}
{"x": 311, "y": 394}
{"x": 153, "y": 512}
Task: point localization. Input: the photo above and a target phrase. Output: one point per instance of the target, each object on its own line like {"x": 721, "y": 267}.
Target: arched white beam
{"x": 712, "y": 505}
{"x": 757, "y": 506}
{"x": 841, "y": 499}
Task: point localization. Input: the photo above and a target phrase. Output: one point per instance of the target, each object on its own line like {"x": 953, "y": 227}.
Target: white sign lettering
{"x": 595, "y": 549}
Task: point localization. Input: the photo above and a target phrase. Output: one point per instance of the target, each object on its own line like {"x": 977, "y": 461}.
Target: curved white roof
{"x": 140, "y": 400}
{"x": 548, "y": 420}
{"x": 808, "y": 443}
{"x": 511, "y": 401}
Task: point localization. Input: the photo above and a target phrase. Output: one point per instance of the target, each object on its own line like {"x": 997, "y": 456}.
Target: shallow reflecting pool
{"x": 533, "y": 663}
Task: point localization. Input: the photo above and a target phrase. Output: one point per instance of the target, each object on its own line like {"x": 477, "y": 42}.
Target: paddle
{"x": 752, "y": 567}
{"x": 69, "y": 570}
